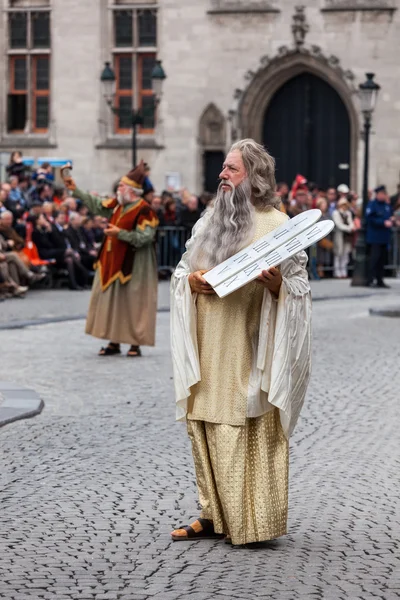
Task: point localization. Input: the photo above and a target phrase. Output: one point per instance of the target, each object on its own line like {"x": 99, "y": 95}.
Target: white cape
{"x": 282, "y": 361}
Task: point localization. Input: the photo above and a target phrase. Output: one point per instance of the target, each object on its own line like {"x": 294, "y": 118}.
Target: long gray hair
{"x": 230, "y": 226}
{"x": 260, "y": 169}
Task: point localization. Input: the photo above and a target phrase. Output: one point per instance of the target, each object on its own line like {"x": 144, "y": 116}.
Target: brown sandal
{"x": 110, "y": 350}
{"x": 201, "y": 529}
{"x": 134, "y": 351}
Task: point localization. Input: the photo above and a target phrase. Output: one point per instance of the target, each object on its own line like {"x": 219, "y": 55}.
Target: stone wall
{"x": 209, "y": 49}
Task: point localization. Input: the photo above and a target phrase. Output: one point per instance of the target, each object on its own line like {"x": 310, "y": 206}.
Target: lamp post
{"x": 368, "y": 93}
{"x": 107, "y": 79}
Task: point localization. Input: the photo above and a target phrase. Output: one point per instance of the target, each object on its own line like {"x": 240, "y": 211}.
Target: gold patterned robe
{"x": 241, "y": 369}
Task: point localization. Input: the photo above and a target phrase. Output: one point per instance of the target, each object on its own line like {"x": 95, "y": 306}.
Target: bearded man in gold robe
{"x": 241, "y": 363}
{"x": 123, "y": 303}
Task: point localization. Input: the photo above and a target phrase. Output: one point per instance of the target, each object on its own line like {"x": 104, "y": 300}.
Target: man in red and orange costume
{"x": 123, "y": 304}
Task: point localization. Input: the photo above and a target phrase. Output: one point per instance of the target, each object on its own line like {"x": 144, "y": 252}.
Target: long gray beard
{"x": 229, "y": 228}
{"x": 123, "y": 199}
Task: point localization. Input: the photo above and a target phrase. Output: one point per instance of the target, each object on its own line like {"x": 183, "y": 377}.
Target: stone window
{"x": 134, "y": 55}
{"x": 28, "y": 50}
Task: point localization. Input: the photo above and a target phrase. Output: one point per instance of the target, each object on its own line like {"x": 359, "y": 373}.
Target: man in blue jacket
{"x": 379, "y": 223}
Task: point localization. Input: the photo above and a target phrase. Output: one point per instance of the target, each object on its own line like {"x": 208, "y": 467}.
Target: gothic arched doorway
{"x": 307, "y": 129}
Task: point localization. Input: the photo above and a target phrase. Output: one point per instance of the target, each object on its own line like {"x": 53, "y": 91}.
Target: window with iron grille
{"x": 135, "y": 53}
{"x": 29, "y": 43}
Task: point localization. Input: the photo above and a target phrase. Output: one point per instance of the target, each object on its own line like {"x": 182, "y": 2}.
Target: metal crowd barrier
{"x": 171, "y": 245}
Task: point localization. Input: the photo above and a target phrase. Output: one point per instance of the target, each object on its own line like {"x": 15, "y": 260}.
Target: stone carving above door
{"x": 212, "y": 128}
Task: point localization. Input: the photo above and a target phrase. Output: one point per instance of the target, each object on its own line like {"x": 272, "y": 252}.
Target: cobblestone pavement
{"x": 91, "y": 488}
{"x": 51, "y": 305}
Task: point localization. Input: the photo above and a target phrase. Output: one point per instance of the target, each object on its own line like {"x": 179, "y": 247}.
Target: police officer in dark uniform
{"x": 379, "y": 224}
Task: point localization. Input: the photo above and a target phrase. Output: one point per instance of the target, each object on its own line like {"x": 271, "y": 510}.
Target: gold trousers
{"x": 242, "y": 476}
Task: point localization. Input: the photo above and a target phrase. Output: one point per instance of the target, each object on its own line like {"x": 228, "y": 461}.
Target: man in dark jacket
{"x": 78, "y": 242}
{"x": 379, "y": 224}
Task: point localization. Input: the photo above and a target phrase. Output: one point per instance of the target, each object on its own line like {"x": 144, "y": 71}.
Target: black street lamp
{"x": 136, "y": 117}
{"x": 368, "y": 94}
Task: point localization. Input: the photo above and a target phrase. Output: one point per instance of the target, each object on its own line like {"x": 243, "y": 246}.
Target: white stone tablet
{"x": 263, "y": 246}
{"x": 300, "y": 242}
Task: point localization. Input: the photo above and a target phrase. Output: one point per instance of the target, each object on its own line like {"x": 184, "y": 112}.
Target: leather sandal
{"x": 134, "y": 351}
{"x": 110, "y": 350}
{"x": 201, "y": 529}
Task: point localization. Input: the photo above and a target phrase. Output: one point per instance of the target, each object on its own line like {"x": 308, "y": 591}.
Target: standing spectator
{"x": 324, "y": 246}
{"x": 149, "y": 194}
{"x": 299, "y": 203}
{"x": 158, "y": 209}
{"x": 394, "y": 200}
{"x": 379, "y": 224}
{"x": 343, "y": 191}
{"x": 16, "y": 165}
{"x": 190, "y": 213}
{"x": 170, "y": 212}
{"x": 342, "y": 237}
{"x": 331, "y": 196}
{"x": 206, "y": 202}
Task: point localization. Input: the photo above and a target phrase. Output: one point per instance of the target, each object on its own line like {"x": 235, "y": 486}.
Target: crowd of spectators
{"x": 46, "y": 235}
{"x": 335, "y": 253}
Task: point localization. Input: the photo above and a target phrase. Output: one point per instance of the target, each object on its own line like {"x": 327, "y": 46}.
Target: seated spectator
{"x": 48, "y": 211}
{"x": 24, "y": 186}
{"x": 17, "y": 270}
{"x": 15, "y": 196}
{"x": 82, "y": 209}
{"x": 69, "y": 205}
{"x": 8, "y": 287}
{"x": 52, "y": 243}
{"x": 99, "y": 225}
{"x": 78, "y": 242}
{"x": 3, "y": 198}
{"x": 11, "y": 231}
{"x": 44, "y": 173}
{"x": 190, "y": 213}
{"x": 88, "y": 234}
{"x": 16, "y": 242}
{"x": 59, "y": 195}
{"x": 36, "y": 209}
{"x": 42, "y": 193}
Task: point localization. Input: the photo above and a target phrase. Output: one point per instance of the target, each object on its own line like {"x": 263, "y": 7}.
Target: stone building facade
{"x": 268, "y": 69}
